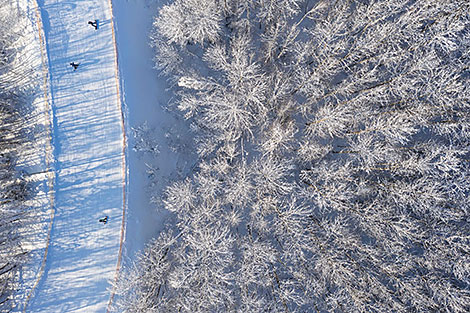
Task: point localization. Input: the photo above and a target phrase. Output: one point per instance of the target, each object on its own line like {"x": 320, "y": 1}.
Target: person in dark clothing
{"x": 74, "y": 65}
{"x": 104, "y": 220}
{"x": 94, "y": 24}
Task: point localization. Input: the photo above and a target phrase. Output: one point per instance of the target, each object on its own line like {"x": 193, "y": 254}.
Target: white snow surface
{"x": 146, "y": 97}
{"x": 89, "y": 159}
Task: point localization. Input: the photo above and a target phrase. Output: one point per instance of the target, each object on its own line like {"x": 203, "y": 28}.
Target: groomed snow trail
{"x": 89, "y": 146}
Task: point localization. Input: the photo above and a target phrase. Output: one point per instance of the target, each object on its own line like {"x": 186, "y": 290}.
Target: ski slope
{"x": 88, "y": 136}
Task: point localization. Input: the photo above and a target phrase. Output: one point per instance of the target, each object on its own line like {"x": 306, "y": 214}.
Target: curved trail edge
{"x": 124, "y": 164}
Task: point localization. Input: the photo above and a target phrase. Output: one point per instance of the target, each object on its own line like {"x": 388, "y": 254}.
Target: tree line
{"x": 16, "y": 92}
{"x": 333, "y": 159}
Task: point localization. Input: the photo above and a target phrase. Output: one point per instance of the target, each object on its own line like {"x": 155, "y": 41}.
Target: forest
{"x": 17, "y": 132}
{"x": 332, "y": 173}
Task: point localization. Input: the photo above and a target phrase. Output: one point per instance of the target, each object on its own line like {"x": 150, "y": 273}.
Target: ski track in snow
{"x": 89, "y": 156}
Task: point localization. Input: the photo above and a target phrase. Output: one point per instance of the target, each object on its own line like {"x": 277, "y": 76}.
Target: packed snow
{"x": 88, "y": 142}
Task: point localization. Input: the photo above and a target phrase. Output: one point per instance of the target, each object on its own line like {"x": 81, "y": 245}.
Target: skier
{"x": 104, "y": 220}
{"x": 94, "y": 24}
{"x": 74, "y": 65}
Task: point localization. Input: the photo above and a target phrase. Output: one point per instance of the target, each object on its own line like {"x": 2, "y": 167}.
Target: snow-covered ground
{"x": 89, "y": 159}
{"x": 142, "y": 92}
{"x": 146, "y": 97}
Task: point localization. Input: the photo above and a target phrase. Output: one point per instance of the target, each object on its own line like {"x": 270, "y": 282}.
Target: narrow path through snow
{"x": 88, "y": 139}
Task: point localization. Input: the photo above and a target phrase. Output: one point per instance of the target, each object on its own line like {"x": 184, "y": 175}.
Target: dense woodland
{"x": 16, "y": 87}
{"x": 333, "y": 159}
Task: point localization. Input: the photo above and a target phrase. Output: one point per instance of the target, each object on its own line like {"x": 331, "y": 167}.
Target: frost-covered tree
{"x": 13, "y": 215}
{"x": 15, "y": 189}
{"x": 333, "y": 139}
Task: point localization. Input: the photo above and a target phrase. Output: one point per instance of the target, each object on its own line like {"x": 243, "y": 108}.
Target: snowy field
{"x": 142, "y": 92}
{"x": 146, "y": 97}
